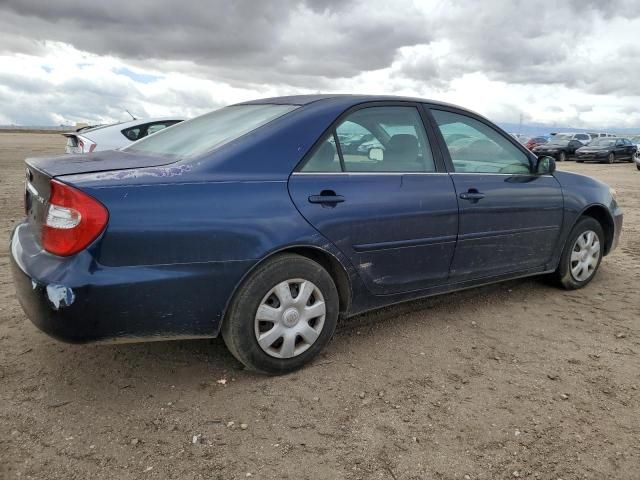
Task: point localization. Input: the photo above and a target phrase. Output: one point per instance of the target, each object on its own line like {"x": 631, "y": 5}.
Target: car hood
{"x": 104, "y": 161}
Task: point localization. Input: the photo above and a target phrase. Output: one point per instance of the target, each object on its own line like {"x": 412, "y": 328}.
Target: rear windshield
{"x": 204, "y": 133}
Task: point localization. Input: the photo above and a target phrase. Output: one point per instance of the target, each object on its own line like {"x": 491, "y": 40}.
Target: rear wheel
{"x": 283, "y": 315}
{"x": 611, "y": 158}
{"x": 582, "y": 254}
{"x": 562, "y": 156}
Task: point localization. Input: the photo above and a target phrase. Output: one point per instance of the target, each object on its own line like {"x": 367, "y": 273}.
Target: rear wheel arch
{"x": 325, "y": 259}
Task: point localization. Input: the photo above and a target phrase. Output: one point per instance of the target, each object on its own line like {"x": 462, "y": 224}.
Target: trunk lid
{"x": 96, "y": 162}
{"x": 41, "y": 170}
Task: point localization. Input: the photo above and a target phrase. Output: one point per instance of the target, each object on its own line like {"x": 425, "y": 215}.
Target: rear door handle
{"x": 326, "y": 197}
{"x": 472, "y": 195}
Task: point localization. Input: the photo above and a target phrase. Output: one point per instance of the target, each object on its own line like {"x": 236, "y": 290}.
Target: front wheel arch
{"x": 601, "y": 214}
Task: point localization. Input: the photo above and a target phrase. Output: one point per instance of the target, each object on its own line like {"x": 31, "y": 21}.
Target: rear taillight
{"x": 74, "y": 220}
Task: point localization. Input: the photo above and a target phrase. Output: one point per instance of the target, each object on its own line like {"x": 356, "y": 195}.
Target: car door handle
{"x": 326, "y": 197}
{"x": 472, "y": 195}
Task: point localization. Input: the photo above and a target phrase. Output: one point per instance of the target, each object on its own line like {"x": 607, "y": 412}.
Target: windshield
{"x": 209, "y": 131}
{"x": 602, "y": 142}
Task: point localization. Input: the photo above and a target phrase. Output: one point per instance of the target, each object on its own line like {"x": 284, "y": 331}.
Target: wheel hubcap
{"x": 585, "y": 255}
{"x": 290, "y": 318}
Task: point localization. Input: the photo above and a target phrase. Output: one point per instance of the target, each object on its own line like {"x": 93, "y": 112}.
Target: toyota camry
{"x": 256, "y": 223}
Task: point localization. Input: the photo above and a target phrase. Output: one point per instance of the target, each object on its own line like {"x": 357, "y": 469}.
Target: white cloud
{"x": 506, "y": 60}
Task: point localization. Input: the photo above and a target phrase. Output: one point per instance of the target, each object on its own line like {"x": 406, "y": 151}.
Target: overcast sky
{"x": 564, "y": 63}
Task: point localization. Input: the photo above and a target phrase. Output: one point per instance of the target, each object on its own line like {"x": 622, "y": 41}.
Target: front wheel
{"x": 282, "y": 316}
{"x": 582, "y": 254}
{"x": 611, "y": 158}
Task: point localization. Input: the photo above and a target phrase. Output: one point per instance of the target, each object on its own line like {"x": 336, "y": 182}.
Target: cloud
{"x": 76, "y": 61}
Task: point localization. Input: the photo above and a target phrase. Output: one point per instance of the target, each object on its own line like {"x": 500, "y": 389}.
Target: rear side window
{"x": 375, "y": 139}
{"x": 475, "y": 147}
{"x": 582, "y": 136}
{"x": 132, "y": 133}
{"x": 207, "y": 132}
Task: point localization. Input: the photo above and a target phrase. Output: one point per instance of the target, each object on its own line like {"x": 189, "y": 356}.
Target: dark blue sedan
{"x": 257, "y": 222}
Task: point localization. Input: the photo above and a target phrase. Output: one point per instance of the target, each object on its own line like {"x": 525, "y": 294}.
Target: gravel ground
{"x": 516, "y": 380}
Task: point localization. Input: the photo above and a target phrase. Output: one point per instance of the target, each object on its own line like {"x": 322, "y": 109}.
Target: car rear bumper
{"x": 77, "y": 300}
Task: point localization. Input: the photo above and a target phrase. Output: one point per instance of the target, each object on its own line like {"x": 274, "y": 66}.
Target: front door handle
{"x": 326, "y": 197}
{"x": 472, "y": 195}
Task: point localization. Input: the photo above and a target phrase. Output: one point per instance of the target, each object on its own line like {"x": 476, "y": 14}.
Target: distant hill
{"x": 534, "y": 129}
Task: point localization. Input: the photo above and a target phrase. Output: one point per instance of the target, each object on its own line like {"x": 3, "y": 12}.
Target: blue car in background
{"x": 254, "y": 222}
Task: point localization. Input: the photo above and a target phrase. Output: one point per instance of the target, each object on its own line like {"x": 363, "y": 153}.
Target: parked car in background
{"x": 607, "y": 150}
{"x": 635, "y": 139}
{"x": 118, "y": 135}
{"x": 583, "y": 138}
{"x": 263, "y": 230}
{"x": 561, "y": 146}
{"x": 601, "y": 134}
{"x": 535, "y": 141}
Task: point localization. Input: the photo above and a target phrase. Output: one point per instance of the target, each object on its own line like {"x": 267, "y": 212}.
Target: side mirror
{"x": 376, "y": 154}
{"x": 545, "y": 165}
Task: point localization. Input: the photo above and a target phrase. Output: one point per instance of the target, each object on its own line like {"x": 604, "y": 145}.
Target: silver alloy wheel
{"x": 563, "y": 156}
{"x": 585, "y": 255}
{"x": 290, "y": 318}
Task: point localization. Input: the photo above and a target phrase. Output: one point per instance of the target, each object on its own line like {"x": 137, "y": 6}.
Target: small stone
{"x": 148, "y": 469}
{"x": 564, "y": 396}
{"x": 316, "y": 399}
{"x": 381, "y": 393}
{"x": 621, "y": 335}
{"x": 134, "y": 441}
{"x": 249, "y": 474}
{"x": 467, "y": 477}
{"x": 516, "y": 474}
{"x": 473, "y": 323}
{"x": 243, "y": 426}
{"x": 362, "y": 395}
{"x": 553, "y": 376}
{"x": 517, "y": 433}
{"x": 195, "y": 439}
{"x": 222, "y": 381}
{"x": 92, "y": 447}
{"x": 230, "y": 424}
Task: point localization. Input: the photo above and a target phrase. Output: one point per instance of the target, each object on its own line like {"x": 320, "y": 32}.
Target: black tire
{"x": 563, "y": 275}
{"x": 637, "y": 166}
{"x": 238, "y": 328}
{"x": 611, "y": 158}
{"x": 579, "y": 161}
{"x": 562, "y": 156}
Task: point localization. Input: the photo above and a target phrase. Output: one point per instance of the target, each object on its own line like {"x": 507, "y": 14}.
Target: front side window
{"x": 375, "y": 140}
{"x": 475, "y": 147}
{"x": 207, "y": 132}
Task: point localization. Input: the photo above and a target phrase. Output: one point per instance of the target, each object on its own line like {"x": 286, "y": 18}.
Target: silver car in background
{"x": 118, "y": 135}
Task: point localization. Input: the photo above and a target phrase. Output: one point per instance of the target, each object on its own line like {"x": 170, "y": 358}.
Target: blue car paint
{"x": 183, "y": 235}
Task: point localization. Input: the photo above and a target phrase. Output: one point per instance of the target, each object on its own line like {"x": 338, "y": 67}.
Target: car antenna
{"x": 130, "y": 114}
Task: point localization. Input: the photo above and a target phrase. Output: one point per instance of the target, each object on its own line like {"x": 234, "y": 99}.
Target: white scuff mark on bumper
{"x": 60, "y": 296}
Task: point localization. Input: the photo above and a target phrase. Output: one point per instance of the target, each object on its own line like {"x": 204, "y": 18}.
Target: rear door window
{"x": 376, "y": 140}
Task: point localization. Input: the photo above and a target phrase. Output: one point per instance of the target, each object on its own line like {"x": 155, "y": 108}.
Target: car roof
{"x": 346, "y": 99}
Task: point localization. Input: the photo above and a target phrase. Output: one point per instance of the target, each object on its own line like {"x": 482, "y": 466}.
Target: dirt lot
{"x": 517, "y": 380}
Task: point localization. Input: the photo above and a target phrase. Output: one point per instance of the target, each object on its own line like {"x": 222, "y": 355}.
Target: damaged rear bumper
{"x": 77, "y": 300}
